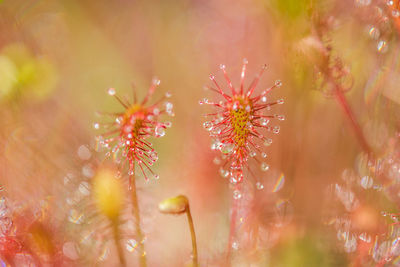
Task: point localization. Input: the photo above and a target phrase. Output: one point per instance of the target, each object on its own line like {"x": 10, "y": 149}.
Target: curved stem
{"x": 193, "y": 234}
{"x": 139, "y": 233}
{"x": 117, "y": 237}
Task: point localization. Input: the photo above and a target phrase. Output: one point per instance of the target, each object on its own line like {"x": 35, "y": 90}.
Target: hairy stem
{"x": 139, "y": 233}
{"x": 117, "y": 237}
{"x": 193, "y": 234}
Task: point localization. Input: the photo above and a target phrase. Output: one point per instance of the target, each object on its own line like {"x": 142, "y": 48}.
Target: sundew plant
{"x": 287, "y": 154}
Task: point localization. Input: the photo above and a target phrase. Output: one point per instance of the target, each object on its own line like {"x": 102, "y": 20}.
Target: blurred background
{"x": 321, "y": 202}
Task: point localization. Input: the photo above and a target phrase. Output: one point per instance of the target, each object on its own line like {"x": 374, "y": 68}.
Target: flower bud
{"x": 108, "y": 193}
{"x": 174, "y": 205}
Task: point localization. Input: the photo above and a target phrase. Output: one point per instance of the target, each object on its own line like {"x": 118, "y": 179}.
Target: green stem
{"x": 193, "y": 234}
{"x": 117, "y": 237}
{"x": 139, "y": 233}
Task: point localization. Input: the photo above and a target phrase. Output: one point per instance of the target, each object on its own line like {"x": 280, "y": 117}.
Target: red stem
{"x": 353, "y": 121}
{"x": 360, "y": 136}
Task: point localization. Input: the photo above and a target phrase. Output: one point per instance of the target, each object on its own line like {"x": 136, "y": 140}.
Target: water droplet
{"x": 111, "y": 91}
{"x": 235, "y": 106}
{"x": 84, "y": 188}
{"x": 396, "y": 13}
{"x": 84, "y": 152}
{"x": 259, "y": 186}
{"x": 168, "y": 107}
{"x": 203, "y": 101}
{"x": 208, "y": 125}
{"x": 217, "y": 161}
{"x": 366, "y": 182}
{"x": 224, "y": 173}
{"x": 264, "y": 99}
{"x": 395, "y": 249}
{"x": 68, "y": 178}
{"x": 131, "y": 172}
{"x": 156, "y": 111}
{"x": 365, "y": 237}
{"x": 168, "y": 94}
{"x": 159, "y": 131}
{"x": 131, "y": 245}
{"x": 347, "y": 197}
{"x": 236, "y": 176}
{"x": 75, "y": 216}
{"x": 119, "y": 120}
{"x": 168, "y": 124}
{"x": 216, "y": 131}
{"x": 253, "y": 154}
{"x": 263, "y": 154}
{"x": 382, "y": 46}
{"x": 264, "y": 121}
{"x": 350, "y": 244}
{"x": 389, "y": 2}
{"x": 153, "y": 155}
{"x": 268, "y": 142}
{"x": 383, "y": 252}
{"x": 237, "y": 194}
{"x": 278, "y": 83}
{"x": 96, "y": 125}
{"x": 374, "y": 33}
{"x": 276, "y": 129}
{"x": 215, "y": 144}
{"x": 280, "y": 101}
{"x": 349, "y": 176}
{"x": 104, "y": 253}
{"x": 235, "y": 245}
{"x": 264, "y": 166}
{"x": 280, "y": 117}
{"x": 156, "y": 176}
{"x": 156, "y": 81}
{"x": 87, "y": 171}
{"x": 227, "y": 148}
{"x": 279, "y": 183}
{"x": 222, "y": 66}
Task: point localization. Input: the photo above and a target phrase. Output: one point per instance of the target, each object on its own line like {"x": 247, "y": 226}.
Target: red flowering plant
{"x": 239, "y": 124}
{"x": 238, "y": 127}
{"x": 126, "y": 140}
{"x": 129, "y": 130}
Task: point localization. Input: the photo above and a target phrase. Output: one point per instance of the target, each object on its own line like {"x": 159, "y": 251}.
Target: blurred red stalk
{"x": 340, "y": 97}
